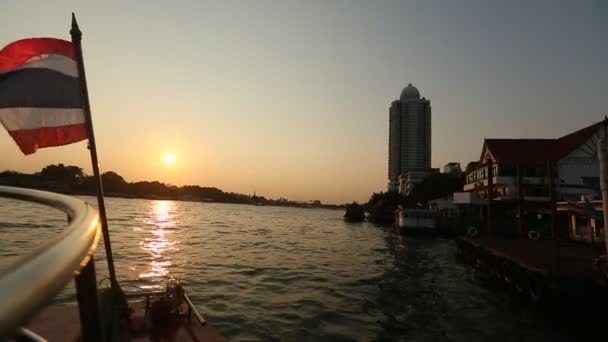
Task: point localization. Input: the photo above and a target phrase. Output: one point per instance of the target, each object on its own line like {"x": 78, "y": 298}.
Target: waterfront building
{"x": 453, "y": 168}
{"x": 409, "y": 155}
{"x": 572, "y": 158}
{"x": 522, "y": 179}
{"x": 410, "y": 178}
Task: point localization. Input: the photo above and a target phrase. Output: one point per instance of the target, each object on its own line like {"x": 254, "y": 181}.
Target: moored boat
{"x": 354, "y": 213}
{"x": 415, "y": 222}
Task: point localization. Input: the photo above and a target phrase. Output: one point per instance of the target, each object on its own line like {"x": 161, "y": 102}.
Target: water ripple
{"x": 267, "y": 273}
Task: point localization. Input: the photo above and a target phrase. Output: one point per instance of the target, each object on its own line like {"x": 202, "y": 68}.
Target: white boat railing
{"x": 33, "y": 280}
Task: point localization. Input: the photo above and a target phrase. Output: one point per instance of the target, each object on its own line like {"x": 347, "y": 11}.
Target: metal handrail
{"x": 192, "y": 308}
{"x": 26, "y": 335}
{"x": 31, "y": 281}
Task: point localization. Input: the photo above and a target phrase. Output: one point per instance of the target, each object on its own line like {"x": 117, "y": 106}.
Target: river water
{"x": 266, "y": 273}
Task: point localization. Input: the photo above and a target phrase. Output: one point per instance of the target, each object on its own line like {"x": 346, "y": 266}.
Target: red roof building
{"x": 529, "y": 164}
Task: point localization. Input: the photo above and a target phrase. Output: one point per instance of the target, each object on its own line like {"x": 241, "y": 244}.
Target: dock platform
{"x": 540, "y": 269}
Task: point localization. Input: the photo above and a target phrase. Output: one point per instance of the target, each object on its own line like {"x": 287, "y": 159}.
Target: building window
{"x": 535, "y": 190}
{"x": 507, "y": 170}
{"x": 535, "y": 171}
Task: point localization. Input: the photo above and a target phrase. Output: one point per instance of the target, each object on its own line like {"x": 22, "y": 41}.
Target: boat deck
{"x": 62, "y": 323}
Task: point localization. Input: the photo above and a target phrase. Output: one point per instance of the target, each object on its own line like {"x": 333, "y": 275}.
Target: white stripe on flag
{"x": 15, "y": 119}
{"x": 59, "y": 63}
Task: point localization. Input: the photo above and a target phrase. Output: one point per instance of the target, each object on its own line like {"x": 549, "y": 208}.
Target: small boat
{"x": 354, "y": 213}
{"x": 29, "y": 283}
{"x": 415, "y": 222}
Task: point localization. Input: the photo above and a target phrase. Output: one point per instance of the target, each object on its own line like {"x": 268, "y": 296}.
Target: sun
{"x": 169, "y": 159}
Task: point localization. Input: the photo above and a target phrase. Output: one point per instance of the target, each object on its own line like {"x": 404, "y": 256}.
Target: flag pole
{"x": 76, "y": 38}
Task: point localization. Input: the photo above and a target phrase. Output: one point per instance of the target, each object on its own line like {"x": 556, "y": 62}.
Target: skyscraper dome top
{"x": 410, "y": 92}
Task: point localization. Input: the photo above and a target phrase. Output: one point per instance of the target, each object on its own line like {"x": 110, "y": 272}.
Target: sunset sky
{"x": 291, "y": 98}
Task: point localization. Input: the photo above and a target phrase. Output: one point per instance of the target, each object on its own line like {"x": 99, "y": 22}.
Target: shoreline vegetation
{"x": 72, "y": 180}
{"x": 382, "y": 205}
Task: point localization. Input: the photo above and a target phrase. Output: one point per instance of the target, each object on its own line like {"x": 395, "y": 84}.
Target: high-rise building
{"x": 409, "y": 151}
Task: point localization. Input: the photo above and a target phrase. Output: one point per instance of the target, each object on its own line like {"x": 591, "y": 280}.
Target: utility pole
{"x": 490, "y": 218}
{"x": 603, "y": 159}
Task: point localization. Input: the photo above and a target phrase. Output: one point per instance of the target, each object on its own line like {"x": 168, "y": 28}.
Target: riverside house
{"x": 524, "y": 178}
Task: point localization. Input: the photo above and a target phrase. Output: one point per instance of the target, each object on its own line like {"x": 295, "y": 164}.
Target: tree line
{"x": 72, "y": 180}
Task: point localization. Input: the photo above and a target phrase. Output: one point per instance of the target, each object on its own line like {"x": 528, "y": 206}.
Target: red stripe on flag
{"x": 29, "y": 140}
{"x": 19, "y": 52}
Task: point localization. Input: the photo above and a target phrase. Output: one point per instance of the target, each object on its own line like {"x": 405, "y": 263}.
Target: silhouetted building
{"x": 453, "y": 168}
{"x": 409, "y": 155}
{"x": 410, "y": 178}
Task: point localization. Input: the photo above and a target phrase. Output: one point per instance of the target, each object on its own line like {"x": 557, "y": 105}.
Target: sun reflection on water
{"x": 158, "y": 244}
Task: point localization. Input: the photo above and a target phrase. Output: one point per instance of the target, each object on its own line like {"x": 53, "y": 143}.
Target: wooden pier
{"x": 545, "y": 269}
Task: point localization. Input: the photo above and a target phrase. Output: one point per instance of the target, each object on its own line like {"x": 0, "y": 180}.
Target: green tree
{"x": 113, "y": 182}
{"x": 382, "y": 205}
{"x": 69, "y": 175}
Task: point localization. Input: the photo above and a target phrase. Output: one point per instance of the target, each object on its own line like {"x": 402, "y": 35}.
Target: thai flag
{"x": 40, "y": 96}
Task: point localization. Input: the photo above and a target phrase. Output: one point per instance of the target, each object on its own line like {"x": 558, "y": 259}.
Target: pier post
{"x": 520, "y": 200}
{"x": 552, "y": 198}
{"x": 490, "y": 218}
{"x": 603, "y": 161}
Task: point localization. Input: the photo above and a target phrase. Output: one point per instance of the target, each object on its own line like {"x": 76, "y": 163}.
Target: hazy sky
{"x": 290, "y": 98}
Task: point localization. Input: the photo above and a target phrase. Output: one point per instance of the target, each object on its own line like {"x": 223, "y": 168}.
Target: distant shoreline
{"x": 173, "y": 198}
{"x": 71, "y": 180}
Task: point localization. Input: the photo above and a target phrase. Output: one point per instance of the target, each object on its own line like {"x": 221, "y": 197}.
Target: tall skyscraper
{"x": 409, "y": 151}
